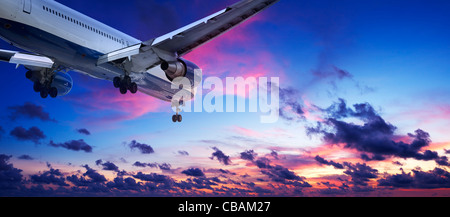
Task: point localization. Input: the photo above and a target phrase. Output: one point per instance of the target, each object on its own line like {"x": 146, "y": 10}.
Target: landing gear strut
{"x": 125, "y": 84}
{"x": 177, "y": 117}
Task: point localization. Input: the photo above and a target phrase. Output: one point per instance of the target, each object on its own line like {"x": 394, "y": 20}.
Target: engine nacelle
{"x": 174, "y": 69}
{"x": 183, "y": 68}
{"x": 63, "y": 82}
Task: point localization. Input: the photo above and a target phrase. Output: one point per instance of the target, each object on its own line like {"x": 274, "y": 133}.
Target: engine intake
{"x": 174, "y": 69}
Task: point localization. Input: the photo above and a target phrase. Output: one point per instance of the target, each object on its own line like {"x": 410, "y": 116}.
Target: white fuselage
{"x": 73, "y": 40}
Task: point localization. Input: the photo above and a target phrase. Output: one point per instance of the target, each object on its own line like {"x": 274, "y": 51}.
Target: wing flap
{"x": 18, "y": 58}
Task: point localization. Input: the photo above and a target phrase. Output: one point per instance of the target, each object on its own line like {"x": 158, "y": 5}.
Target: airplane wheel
{"x": 53, "y": 92}
{"x": 123, "y": 89}
{"x": 133, "y": 88}
{"x": 37, "y": 87}
{"x": 174, "y": 118}
{"x": 44, "y": 93}
{"x": 179, "y": 118}
{"x": 116, "y": 82}
{"x": 29, "y": 74}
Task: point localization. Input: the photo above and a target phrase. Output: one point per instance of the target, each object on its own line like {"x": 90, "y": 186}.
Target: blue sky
{"x": 389, "y": 56}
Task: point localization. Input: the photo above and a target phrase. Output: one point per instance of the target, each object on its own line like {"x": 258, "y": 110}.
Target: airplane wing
{"x": 169, "y": 47}
{"x": 27, "y": 60}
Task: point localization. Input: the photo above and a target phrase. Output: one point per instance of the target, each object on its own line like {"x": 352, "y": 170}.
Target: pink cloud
{"x": 107, "y": 104}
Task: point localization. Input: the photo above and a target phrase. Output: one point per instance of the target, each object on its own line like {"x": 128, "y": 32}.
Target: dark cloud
{"x": 10, "y": 177}
{"x": 74, "y": 145}
{"x": 125, "y": 184}
{"x": 25, "y": 157}
{"x": 52, "y": 176}
{"x": 274, "y": 154}
{"x": 163, "y": 166}
{"x": 143, "y": 148}
{"x": 196, "y": 172}
{"x": 221, "y": 157}
{"x": 84, "y": 131}
{"x": 184, "y": 153}
{"x": 93, "y": 175}
{"x": 437, "y": 178}
{"x": 332, "y": 163}
{"x": 139, "y": 164}
{"x": 153, "y": 177}
{"x": 290, "y": 106}
{"x": 375, "y": 139}
{"x": 107, "y": 165}
{"x": 29, "y": 110}
{"x": 248, "y": 155}
{"x": 280, "y": 174}
{"x": 33, "y": 134}
{"x": 360, "y": 173}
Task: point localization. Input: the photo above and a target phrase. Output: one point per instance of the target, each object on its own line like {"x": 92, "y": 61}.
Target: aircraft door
{"x": 27, "y": 6}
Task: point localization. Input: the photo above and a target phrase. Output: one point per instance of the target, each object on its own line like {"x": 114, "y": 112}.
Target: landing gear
{"x": 45, "y": 90}
{"x": 42, "y": 81}
{"x": 177, "y": 118}
{"x": 124, "y": 84}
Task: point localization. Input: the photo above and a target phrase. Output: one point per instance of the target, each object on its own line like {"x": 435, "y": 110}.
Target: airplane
{"x": 57, "y": 39}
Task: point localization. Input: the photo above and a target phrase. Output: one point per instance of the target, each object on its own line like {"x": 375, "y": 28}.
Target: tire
{"x": 53, "y": 92}
{"x": 116, "y": 82}
{"x": 123, "y": 89}
{"x": 44, "y": 93}
{"x": 29, "y": 74}
{"x": 37, "y": 87}
{"x": 174, "y": 118}
{"x": 133, "y": 88}
{"x": 179, "y": 118}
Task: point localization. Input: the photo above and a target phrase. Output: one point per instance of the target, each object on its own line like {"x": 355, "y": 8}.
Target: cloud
{"x": 163, "y": 166}
{"x": 290, "y": 106}
{"x": 360, "y": 173}
{"x": 143, "y": 148}
{"x": 248, "y": 155}
{"x": 74, "y": 145}
{"x": 33, "y": 134}
{"x": 107, "y": 165}
{"x": 10, "y": 177}
{"x": 332, "y": 163}
{"x": 153, "y": 177}
{"x": 375, "y": 139}
{"x": 183, "y": 153}
{"x": 29, "y": 110}
{"x": 52, "y": 176}
{"x": 437, "y": 178}
{"x": 221, "y": 157}
{"x": 84, "y": 131}
{"x": 196, "y": 172}
{"x": 25, "y": 157}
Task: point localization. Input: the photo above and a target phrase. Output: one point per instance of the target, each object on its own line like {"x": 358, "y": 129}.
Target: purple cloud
{"x": 33, "y": 134}
{"x": 74, "y": 145}
{"x": 29, "y": 110}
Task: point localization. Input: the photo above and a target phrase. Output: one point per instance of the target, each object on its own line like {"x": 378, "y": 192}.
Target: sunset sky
{"x": 364, "y": 109}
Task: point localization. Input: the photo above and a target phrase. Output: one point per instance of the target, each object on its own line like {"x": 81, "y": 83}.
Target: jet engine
{"x": 182, "y": 68}
{"x": 63, "y": 82}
